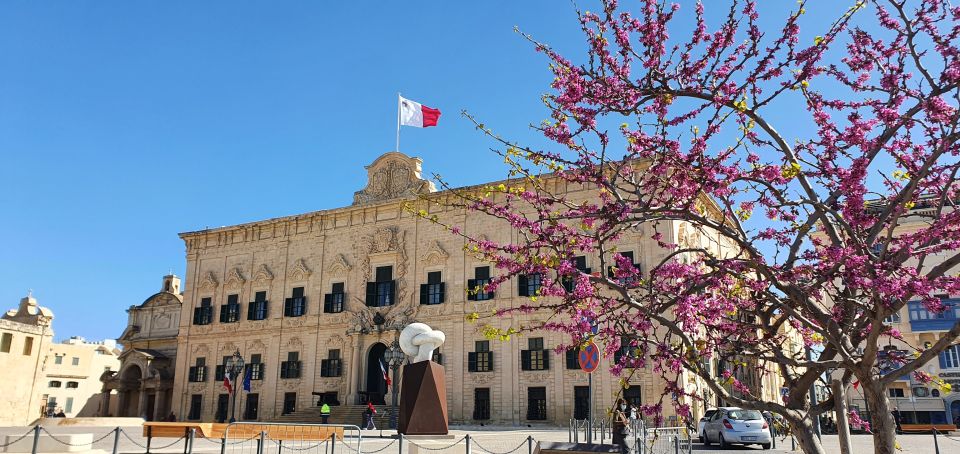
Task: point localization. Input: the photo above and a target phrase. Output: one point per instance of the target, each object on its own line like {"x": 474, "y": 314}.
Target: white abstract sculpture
{"x": 419, "y": 341}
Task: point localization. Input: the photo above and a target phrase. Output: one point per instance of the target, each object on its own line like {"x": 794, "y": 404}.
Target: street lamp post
{"x": 395, "y": 358}
{"x": 234, "y": 367}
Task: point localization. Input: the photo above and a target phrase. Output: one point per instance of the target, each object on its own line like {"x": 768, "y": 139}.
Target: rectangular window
{"x": 573, "y": 358}
{"x": 476, "y": 287}
{"x": 28, "y": 346}
{"x": 437, "y": 356}
{"x": 481, "y": 403}
{"x": 257, "y": 309}
{"x": 331, "y": 367}
{"x": 581, "y": 402}
{"x": 434, "y": 290}
{"x": 203, "y": 315}
{"x": 480, "y": 360}
{"x": 196, "y": 402}
{"x": 223, "y": 401}
{"x": 220, "y": 371}
{"x": 251, "y": 409}
{"x": 6, "y": 340}
{"x": 632, "y": 277}
{"x": 75, "y": 361}
{"x": 535, "y": 358}
{"x": 68, "y": 408}
{"x": 333, "y": 301}
{"x": 580, "y": 264}
{"x": 632, "y": 395}
{"x": 230, "y": 312}
{"x": 256, "y": 367}
{"x": 895, "y": 392}
{"x": 291, "y": 367}
{"x": 198, "y": 372}
{"x": 295, "y": 306}
{"x": 950, "y": 357}
{"x": 380, "y": 293}
{"x": 530, "y": 284}
{"x": 537, "y": 403}
{"x": 625, "y": 351}
{"x": 57, "y": 359}
{"x": 892, "y": 318}
{"x": 289, "y": 403}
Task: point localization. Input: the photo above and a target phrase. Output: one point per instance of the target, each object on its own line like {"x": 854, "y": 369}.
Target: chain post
{"x": 149, "y": 437}
{"x": 116, "y": 439}
{"x": 936, "y": 445}
{"x": 529, "y": 444}
{"x": 279, "y": 446}
{"x": 400, "y": 449}
{"x": 260, "y": 441}
{"x": 223, "y": 443}
{"x": 676, "y": 444}
{"x": 36, "y": 438}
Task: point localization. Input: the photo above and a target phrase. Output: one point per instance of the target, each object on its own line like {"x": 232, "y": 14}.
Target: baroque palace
{"x": 313, "y": 301}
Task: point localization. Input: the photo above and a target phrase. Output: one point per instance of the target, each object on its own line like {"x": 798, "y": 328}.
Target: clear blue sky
{"x": 123, "y": 123}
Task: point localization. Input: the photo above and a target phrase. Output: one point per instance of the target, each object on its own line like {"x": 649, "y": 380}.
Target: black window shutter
{"x": 524, "y": 359}
{"x": 472, "y": 362}
{"x": 371, "y": 293}
{"x": 288, "y": 307}
{"x": 522, "y": 281}
{"x": 223, "y": 314}
{"x": 196, "y": 315}
{"x": 323, "y": 368}
{"x": 328, "y": 304}
{"x": 250, "y": 308}
{"x": 546, "y": 359}
{"x": 266, "y": 309}
{"x": 471, "y": 289}
{"x": 443, "y": 292}
{"x": 423, "y": 294}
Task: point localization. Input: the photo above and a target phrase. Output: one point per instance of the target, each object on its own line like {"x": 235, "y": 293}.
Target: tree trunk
{"x": 882, "y": 424}
{"x": 806, "y": 437}
{"x": 840, "y": 404}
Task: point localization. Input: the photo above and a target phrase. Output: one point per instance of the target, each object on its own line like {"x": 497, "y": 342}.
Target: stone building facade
{"x": 312, "y": 301}
{"x": 71, "y": 376}
{"x": 25, "y": 337}
{"x": 143, "y": 384}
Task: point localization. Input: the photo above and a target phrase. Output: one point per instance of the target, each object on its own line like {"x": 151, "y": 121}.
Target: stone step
{"x": 339, "y": 414}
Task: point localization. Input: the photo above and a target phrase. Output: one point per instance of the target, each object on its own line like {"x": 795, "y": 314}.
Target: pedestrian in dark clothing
{"x": 620, "y": 426}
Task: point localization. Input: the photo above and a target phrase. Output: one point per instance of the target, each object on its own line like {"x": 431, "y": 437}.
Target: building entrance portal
{"x": 376, "y": 387}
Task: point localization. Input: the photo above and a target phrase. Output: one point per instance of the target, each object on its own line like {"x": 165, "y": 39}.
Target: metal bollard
{"x": 676, "y": 445}
{"x": 188, "y": 446}
{"x": 793, "y": 443}
{"x": 333, "y": 443}
{"x": 936, "y": 445}
{"x": 223, "y": 444}
{"x": 260, "y": 441}
{"x": 279, "y": 446}
{"x": 529, "y": 444}
{"x": 149, "y": 437}
{"x": 116, "y": 439}
{"x": 400, "y": 448}
{"x": 467, "y": 438}
{"x": 36, "y": 438}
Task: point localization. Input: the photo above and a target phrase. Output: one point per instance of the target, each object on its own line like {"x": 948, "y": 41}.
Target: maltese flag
{"x": 415, "y": 114}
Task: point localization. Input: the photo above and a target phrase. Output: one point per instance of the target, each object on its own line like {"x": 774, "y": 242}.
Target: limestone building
{"x": 312, "y": 302}
{"x": 71, "y": 375}
{"x": 143, "y": 383}
{"x": 25, "y": 337}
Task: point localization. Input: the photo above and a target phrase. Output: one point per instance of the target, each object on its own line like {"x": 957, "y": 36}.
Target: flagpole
{"x": 398, "y": 121}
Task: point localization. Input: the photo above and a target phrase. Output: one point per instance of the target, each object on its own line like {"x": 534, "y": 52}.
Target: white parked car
{"x": 732, "y": 425}
{"x": 703, "y": 421}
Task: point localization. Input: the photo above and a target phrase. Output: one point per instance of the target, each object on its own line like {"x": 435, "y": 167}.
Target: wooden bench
{"x": 927, "y": 427}
{"x": 177, "y": 429}
{"x": 241, "y": 431}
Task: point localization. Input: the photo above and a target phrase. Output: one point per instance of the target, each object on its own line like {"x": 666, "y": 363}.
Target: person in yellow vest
{"x": 324, "y": 413}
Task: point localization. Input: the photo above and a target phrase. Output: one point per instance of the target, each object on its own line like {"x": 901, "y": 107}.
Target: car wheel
{"x": 705, "y": 438}
{"x": 723, "y": 443}
{"x": 765, "y": 445}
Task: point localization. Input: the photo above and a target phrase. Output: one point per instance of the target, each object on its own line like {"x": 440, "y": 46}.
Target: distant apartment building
{"x": 71, "y": 377}
{"x": 25, "y": 337}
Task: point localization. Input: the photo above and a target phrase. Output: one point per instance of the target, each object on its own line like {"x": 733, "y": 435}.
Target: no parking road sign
{"x": 589, "y": 358}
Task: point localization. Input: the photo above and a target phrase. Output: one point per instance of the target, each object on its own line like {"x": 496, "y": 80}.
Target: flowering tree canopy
{"x": 824, "y": 221}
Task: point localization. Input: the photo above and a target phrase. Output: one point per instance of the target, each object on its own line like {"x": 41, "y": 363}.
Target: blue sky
{"x": 124, "y": 123}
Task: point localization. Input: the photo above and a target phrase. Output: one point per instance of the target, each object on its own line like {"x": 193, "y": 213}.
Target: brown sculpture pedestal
{"x": 423, "y": 400}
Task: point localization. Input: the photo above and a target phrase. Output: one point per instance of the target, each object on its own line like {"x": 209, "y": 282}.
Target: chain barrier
{"x": 219, "y": 441}
{"x": 67, "y": 443}
{"x": 29, "y": 432}
{"x": 307, "y": 448}
{"x": 377, "y": 450}
{"x": 151, "y": 447}
{"x": 426, "y": 448}
{"x": 481, "y": 448}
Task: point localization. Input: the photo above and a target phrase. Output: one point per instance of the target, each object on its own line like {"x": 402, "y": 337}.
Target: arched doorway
{"x": 129, "y": 404}
{"x": 954, "y": 410}
{"x": 376, "y": 387}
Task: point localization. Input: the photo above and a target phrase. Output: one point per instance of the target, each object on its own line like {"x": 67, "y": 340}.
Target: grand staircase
{"x": 339, "y": 414}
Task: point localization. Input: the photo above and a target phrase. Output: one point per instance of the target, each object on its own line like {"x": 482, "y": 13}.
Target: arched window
{"x": 55, "y": 383}
{"x": 935, "y": 393}
{"x": 73, "y": 384}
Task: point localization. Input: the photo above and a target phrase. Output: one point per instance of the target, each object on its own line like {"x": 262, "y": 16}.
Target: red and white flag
{"x": 385, "y": 376}
{"x": 227, "y": 383}
{"x": 415, "y": 114}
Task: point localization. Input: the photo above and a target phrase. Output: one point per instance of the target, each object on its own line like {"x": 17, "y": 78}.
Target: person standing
{"x": 368, "y": 417}
{"x": 324, "y": 413}
{"x": 620, "y": 424}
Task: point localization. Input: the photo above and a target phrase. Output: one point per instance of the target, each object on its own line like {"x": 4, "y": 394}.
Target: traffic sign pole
{"x": 590, "y": 410}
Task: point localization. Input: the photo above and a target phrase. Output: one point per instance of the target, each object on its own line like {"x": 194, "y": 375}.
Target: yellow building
{"x": 25, "y": 336}
{"x": 71, "y": 378}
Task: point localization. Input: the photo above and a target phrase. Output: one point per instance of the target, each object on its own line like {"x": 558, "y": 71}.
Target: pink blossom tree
{"x": 690, "y": 129}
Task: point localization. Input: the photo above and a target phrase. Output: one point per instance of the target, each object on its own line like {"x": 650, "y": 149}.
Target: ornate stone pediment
{"x": 393, "y": 175}
{"x": 435, "y": 255}
{"x": 209, "y": 281}
{"x": 299, "y": 272}
{"x": 340, "y": 267}
{"x": 235, "y": 279}
{"x": 263, "y": 275}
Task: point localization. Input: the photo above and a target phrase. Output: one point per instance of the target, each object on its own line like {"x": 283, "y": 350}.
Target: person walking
{"x": 324, "y": 413}
{"x": 620, "y": 426}
{"x": 368, "y": 417}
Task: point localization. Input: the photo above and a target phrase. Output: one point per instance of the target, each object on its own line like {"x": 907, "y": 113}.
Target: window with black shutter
{"x": 198, "y": 372}
{"x": 535, "y": 358}
{"x": 380, "y": 292}
{"x": 529, "y": 284}
{"x": 481, "y": 403}
{"x": 252, "y": 407}
{"x": 255, "y": 366}
{"x": 222, "y": 403}
{"x": 573, "y": 358}
{"x": 289, "y": 403}
{"x": 296, "y": 305}
{"x": 632, "y": 396}
{"x": 291, "y": 367}
{"x": 625, "y": 351}
{"x": 437, "y": 356}
{"x": 196, "y": 404}
{"x": 433, "y": 292}
{"x": 257, "y": 309}
{"x": 480, "y": 360}
{"x": 569, "y": 282}
{"x": 536, "y": 403}
{"x": 581, "y": 402}
{"x": 333, "y": 301}
{"x": 332, "y": 366}
{"x": 626, "y": 281}
{"x": 220, "y": 370}
{"x": 203, "y": 315}
{"x": 230, "y": 312}
{"x": 476, "y": 287}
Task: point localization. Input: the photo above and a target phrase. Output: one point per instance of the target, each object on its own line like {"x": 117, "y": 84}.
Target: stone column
{"x": 105, "y": 403}
{"x": 353, "y": 374}
{"x": 142, "y": 402}
{"x": 159, "y": 404}
{"x": 122, "y": 397}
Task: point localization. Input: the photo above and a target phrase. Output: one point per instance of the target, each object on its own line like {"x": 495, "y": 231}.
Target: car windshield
{"x": 744, "y": 415}
{"x": 709, "y": 413}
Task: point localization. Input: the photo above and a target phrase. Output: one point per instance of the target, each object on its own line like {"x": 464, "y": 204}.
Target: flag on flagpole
{"x": 385, "y": 376}
{"x": 856, "y": 384}
{"x": 247, "y": 377}
{"x": 417, "y": 115}
{"x": 227, "y": 383}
